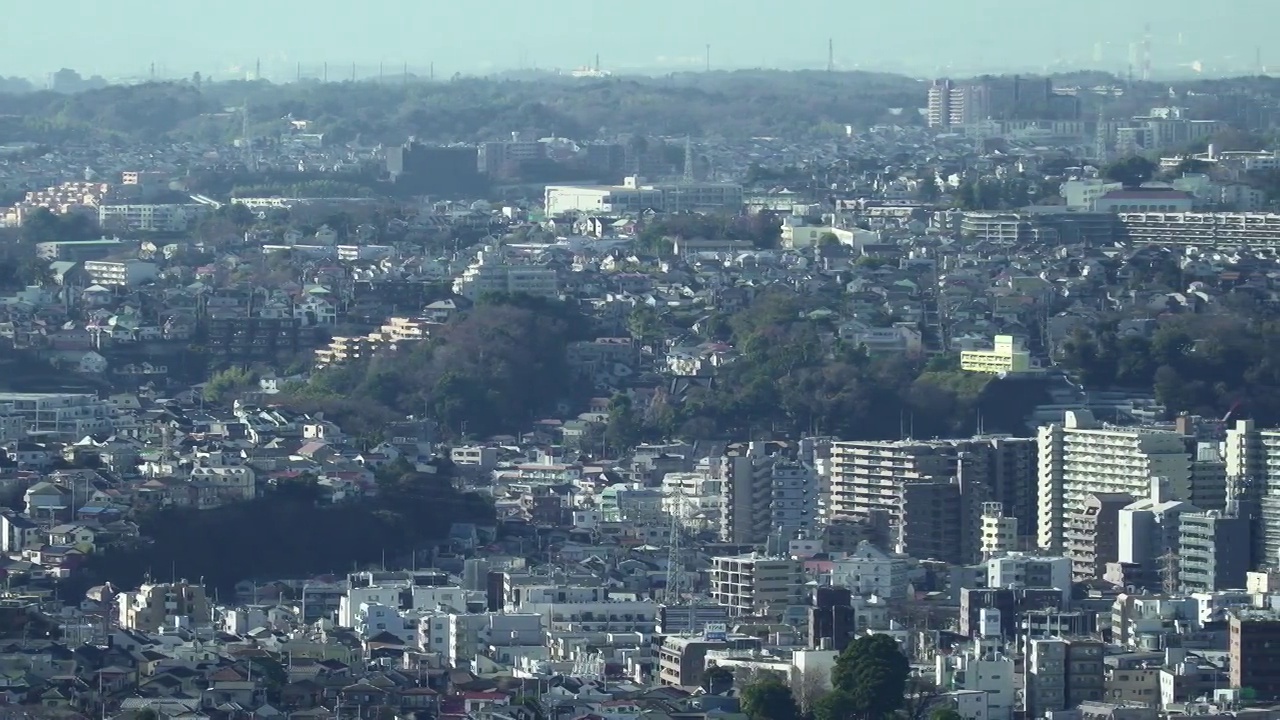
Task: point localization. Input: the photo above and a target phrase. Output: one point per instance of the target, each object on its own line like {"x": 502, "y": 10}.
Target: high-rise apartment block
{"x": 1214, "y": 551}
{"x": 1253, "y": 485}
{"x": 766, "y": 495}
{"x": 1091, "y": 534}
{"x": 1081, "y": 457}
{"x": 951, "y": 104}
{"x": 931, "y": 495}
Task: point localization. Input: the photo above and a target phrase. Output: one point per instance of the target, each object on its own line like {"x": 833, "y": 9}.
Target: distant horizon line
{"x": 391, "y": 73}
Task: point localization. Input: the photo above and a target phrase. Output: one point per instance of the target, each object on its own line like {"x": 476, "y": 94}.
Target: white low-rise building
{"x": 492, "y": 273}
{"x": 126, "y": 273}
{"x": 150, "y": 218}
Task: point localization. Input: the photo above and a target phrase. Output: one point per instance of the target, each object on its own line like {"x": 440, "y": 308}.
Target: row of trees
{"x": 747, "y": 103}
{"x": 1203, "y": 364}
{"x": 760, "y": 229}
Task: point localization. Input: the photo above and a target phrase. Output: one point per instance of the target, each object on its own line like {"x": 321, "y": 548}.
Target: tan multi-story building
{"x": 1091, "y": 534}
{"x": 755, "y": 584}
{"x": 163, "y": 605}
{"x": 1255, "y": 664}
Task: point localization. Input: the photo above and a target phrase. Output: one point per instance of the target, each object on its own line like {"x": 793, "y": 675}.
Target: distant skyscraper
{"x": 953, "y": 105}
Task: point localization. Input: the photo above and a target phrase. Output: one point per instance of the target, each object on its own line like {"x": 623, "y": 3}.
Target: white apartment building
{"x": 13, "y": 426}
{"x": 163, "y": 605}
{"x": 407, "y": 590}
{"x": 694, "y": 497}
{"x": 370, "y": 619}
{"x": 65, "y": 416}
{"x": 149, "y": 218}
{"x": 230, "y": 482}
{"x": 1081, "y": 456}
{"x": 126, "y": 273}
{"x": 459, "y": 636}
{"x": 955, "y": 105}
{"x": 635, "y": 196}
{"x": 1081, "y": 194}
{"x": 1253, "y": 471}
{"x": 1033, "y": 571}
{"x": 984, "y": 669}
{"x": 999, "y": 534}
{"x": 755, "y": 584}
{"x": 869, "y": 570}
{"x": 492, "y": 273}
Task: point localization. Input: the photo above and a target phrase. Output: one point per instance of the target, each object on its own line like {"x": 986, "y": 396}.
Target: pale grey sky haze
{"x": 223, "y": 38}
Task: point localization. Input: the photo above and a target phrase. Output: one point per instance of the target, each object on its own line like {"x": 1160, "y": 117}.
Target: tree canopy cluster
{"x": 43, "y": 225}
{"x": 493, "y": 370}
{"x": 871, "y": 680}
{"x": 1207, "y": 364}
{"x": 289, "y": 532}
{"x": 760, "y": 229}
{"x": 1132, "y": 171}
{"x": 793, "y": 374}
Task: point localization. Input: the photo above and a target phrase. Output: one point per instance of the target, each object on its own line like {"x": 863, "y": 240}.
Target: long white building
{"x": 634, "y": 196}
{"x": 65, "y": 416}
{"x": 1081, "y": 457}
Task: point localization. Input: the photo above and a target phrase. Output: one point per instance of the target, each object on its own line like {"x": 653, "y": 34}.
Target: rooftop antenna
{"x": 831, "y": 55}
{"x": 1169, "y": 573}
{"x": 248, "y": 138}
{"x": 353, "y": 72}
{"x": 708, "y": 57}
{"x": 257, "y": 69}
{"x": 1100, "y": 136}
{"x": 675, "y": 573}
{"x": 153, "y": 72}
{"x": 688, "y": 159}
{"x": 597, "y": 62}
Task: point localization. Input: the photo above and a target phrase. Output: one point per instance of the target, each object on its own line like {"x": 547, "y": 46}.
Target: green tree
{"x": 945, "y": 713}
{"x": 835, "y": 705}
{"x": 225, "y": 385}
{"x": 873, "y": 671}
{"x": 828, "y": 239}
{"x": 624, "y": 427}
{"x": 644, "y": 324}
{"x": 769, "y": 699}
{"x": 1132, "y": 171}
{"x": 717, "y": 679}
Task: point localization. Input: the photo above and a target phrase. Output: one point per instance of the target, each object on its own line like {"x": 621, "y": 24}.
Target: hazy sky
{"x": 224, "y": 37}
